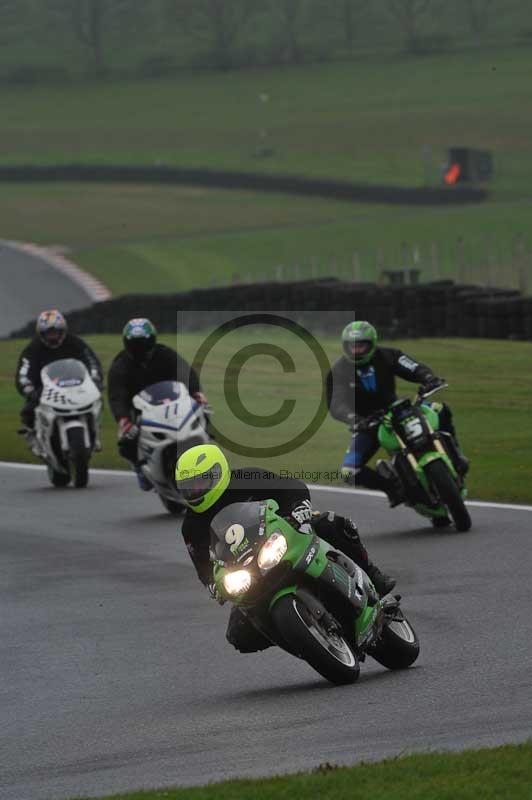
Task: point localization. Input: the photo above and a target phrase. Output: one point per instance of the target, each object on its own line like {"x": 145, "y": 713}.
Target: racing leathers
{"x": 249, "y": 484}
{"x": 37, "y": 355}
{"x": 354, "y": 393}
{"x": 127, "y": 377}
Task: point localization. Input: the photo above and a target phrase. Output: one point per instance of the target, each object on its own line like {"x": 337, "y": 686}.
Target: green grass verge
{"x": 490, "y": 389}
{"x": 501, "y": 773}
{"x": 156, "y": 239}
{"x": 366, "y": 120}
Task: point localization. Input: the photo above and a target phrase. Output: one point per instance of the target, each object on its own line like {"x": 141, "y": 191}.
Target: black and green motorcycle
{"x": 303, "y": 596}
{"x": 425, "y": 460}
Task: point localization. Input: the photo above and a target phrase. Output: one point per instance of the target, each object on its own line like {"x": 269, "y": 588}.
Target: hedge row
{"x": 436, "y": 309}
{"x": 224, "y": 179}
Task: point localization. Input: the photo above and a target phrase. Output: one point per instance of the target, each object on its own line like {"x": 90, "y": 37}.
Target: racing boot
{"x": 144, "y": 483}
{"x": 343, "y": 534}
{"x": 383, "y": 583}
{"x": 354, "y": 548}
{"x": 462, "y": 463}
{"x": 391, "y": 482}
{"x": 348, "y": 475}
{"x": 31, "y": 438}
{"x": 382, "y": 479}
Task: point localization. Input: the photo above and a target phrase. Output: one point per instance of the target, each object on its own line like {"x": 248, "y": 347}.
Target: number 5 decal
{"x": 413, "y": 428}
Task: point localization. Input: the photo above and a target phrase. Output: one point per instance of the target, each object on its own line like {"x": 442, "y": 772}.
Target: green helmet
{"x": 359, "y": 342}
{"x": 139, "y": 337}
{"x": 202, "y": 475}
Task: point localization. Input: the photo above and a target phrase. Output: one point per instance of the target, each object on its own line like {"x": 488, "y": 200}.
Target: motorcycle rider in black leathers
{"x": 215, "y": 486}
{"x": 52, "y": 342}
{"x": 141, "y": 363}
{"x": 363, "y": 381}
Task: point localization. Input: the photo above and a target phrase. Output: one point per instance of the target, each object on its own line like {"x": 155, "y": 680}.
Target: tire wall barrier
{"x": 226, "y": 179}
{"x": 435, "y": 309}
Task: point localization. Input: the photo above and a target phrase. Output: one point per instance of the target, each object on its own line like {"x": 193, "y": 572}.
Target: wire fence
{"x": 486, "y": 262}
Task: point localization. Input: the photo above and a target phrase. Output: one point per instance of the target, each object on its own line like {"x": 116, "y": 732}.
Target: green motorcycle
{"x": 305, "y": 597}
{"x": 425, "y": 460}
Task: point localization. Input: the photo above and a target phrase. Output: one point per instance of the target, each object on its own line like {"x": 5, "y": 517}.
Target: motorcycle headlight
{"x": 272, "y": 551}
{"x": 237, "y": 582}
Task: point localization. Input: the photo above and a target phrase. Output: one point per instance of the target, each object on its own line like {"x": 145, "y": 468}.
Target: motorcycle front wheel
{"x": 439, "y": 476}
{"x": 325, "y": 650}
{"x": 57, "y": 479}
{"x": 398, "y": 645}
{"x": 172, "y": 506}
{"x": 78, "y": 457}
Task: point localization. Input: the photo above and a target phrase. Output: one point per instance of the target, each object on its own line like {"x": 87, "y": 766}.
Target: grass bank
{"x": 157, "y": 239}
{"x": 382, "y": 119}
{"x": 502, "y": 773}
{"x": 490, "y": 389}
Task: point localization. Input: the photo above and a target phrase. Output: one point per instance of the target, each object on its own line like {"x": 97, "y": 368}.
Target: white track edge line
{"x": 121, "y": 473}
{"x": 93, "y": 288}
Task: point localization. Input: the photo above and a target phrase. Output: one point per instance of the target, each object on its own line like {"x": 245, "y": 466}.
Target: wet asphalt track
{"x": 28, "y": 285}
{"x": 115, "y": 673}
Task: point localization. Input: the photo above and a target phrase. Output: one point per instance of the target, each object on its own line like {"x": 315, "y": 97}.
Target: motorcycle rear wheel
{"x": 438, "y": 474}
{"x": 78, "y": 456}
{"x": 398, "y": 645}
{"x": 327, "y": 652}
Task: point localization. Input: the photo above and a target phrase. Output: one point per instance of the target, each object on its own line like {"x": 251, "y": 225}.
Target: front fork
{"x": 353, "y": 585}
{"x": 418, "y": 464}
{"x": 66, "y": 425}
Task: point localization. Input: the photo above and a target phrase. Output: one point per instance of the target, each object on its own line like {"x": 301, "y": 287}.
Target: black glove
{"x": 431, "y": 384}
{"x": 353, "y": 421}
{"x": 127, "y": 430}
{"x": 301, "y": 515}
{"x": 364, "y": 424}
{"x": 215, "y": 594}
{"x": 342, "y": 533}
{"x": 31, "y": 394}
{"x": 128, "y": 434}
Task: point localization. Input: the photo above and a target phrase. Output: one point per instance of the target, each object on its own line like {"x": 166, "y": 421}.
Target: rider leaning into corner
{"x": 51, "y": 342}
{"x": 363, "y": 381}
{"x": 141, "y": 363}
{"x": 208, "y": 484}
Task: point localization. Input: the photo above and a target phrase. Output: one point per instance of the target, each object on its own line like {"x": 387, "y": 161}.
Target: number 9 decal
{"x": 234, "y": 536}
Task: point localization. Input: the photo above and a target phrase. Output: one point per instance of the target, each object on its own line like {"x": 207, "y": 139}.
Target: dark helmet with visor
{"x": 139, "y": 337}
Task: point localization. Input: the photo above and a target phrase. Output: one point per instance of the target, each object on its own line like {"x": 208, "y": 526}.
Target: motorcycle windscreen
{"x": 66, "y": 372}
{"x": 235, "y": 524}
{"x": 158, "y": 394}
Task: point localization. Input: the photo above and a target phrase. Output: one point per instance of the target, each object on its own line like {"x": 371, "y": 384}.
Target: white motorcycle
{"x": 67, "y": 422}
{"x": 170, "y": 421}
